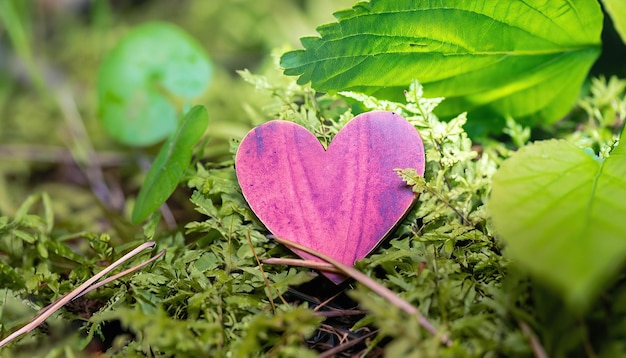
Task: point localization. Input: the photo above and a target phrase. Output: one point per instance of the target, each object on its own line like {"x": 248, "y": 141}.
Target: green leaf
{"x": 170, "y": 164}
{"x": 146, "y": 80}
{"x": 617, "y": 10}
{"x": 561, "y": 211}
{"x": 520, "y": 59}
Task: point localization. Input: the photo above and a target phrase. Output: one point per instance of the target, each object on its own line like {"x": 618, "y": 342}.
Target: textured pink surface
{"x": 341, "y": 201}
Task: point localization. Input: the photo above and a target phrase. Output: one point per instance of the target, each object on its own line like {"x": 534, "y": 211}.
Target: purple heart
{"x": 341, "y": 201}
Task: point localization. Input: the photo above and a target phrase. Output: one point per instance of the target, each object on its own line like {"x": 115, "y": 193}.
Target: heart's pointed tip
{"x": 335, "y": 278}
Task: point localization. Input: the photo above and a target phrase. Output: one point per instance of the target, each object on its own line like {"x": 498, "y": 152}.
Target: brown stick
{"x": 47, "y": 311}
{"x": 534, "y": 341}
{"x": 342, "y": 347}
{"x": 302, "y": 263}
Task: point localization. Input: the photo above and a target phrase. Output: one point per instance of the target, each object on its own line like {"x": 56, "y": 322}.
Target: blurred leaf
{"x": 561, "y": 211}
{"x": 523, "y": 59}
{"x": 170, "y": 164}
{"x": 147, "y": 79}
{"x": 10, "y": 278}
{"x": 617, "y": 10}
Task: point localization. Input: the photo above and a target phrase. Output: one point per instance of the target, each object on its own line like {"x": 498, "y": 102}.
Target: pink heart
{"x": 342, "y": 201}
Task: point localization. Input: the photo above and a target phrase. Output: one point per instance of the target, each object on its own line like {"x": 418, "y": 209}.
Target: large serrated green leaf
{"x": 525, "y": 59}
{"x": 170, "y": 164}
{"x": 561, "y": 212}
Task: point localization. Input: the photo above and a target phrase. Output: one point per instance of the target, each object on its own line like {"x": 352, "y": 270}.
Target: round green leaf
{"x": 561, "y": 212}
{"x": 170, "y": 164}
{"x": 145, "y": 81}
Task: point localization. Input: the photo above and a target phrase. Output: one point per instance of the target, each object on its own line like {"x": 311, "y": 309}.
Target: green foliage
{"x": 534, "y": 210}
{"x": 38, "y": 265}
{"x": 617, "y": 10}
{"x": 605, "y": 109}
{"x": 557, "y": 206}
{"x": 159, "y": 333}
{"x": 146, "y": 81}
{"x": 208, "y": 296}
{"x": 442, "y": 258}
{"x": 527, "y": 61}
{"x": 170, "y": 164}
{"x": 212, "y": 293}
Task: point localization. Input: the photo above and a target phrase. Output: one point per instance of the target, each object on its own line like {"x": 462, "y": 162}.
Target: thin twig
{"x": 449, "y": 205}
{"x": 105, "y": 281}
{"x": 168, "y": 216}
{"x": 372, "y": 285}
{"x": 534, "y": 341}
{"x": 56, "y": 154}
{"x": 267, "y": 282}
{"x": 83, "y": 152}
{"x": 586, "y": 343}
{"x": 325, "y": 302}
{"x": 49, "y": 310}
{"x": 121, "y": 274}
{"x": 321, "y": 266}
{"x": 339, "y": 313}
{"x": 342, "y": 347}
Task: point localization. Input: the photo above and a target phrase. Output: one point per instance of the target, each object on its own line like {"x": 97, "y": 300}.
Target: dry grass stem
{"x": 81, "y": 290}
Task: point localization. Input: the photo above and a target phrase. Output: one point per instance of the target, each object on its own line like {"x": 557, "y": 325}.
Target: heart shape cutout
{"x": 341, "y": 201}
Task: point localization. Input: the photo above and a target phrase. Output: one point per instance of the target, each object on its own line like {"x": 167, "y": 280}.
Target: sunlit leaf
{"x": 146, "y": 80}
{"x": 170, "y": 164}
{"x": 617, "y": 10}
{"x": 561, "y": 211}
{"x": 524, "y": 59}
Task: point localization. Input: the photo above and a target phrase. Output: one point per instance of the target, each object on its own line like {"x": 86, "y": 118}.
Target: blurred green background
{"x": 50, "y": 51}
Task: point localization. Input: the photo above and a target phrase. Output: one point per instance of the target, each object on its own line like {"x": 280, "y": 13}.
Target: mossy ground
{"x": 209, "y": 296}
